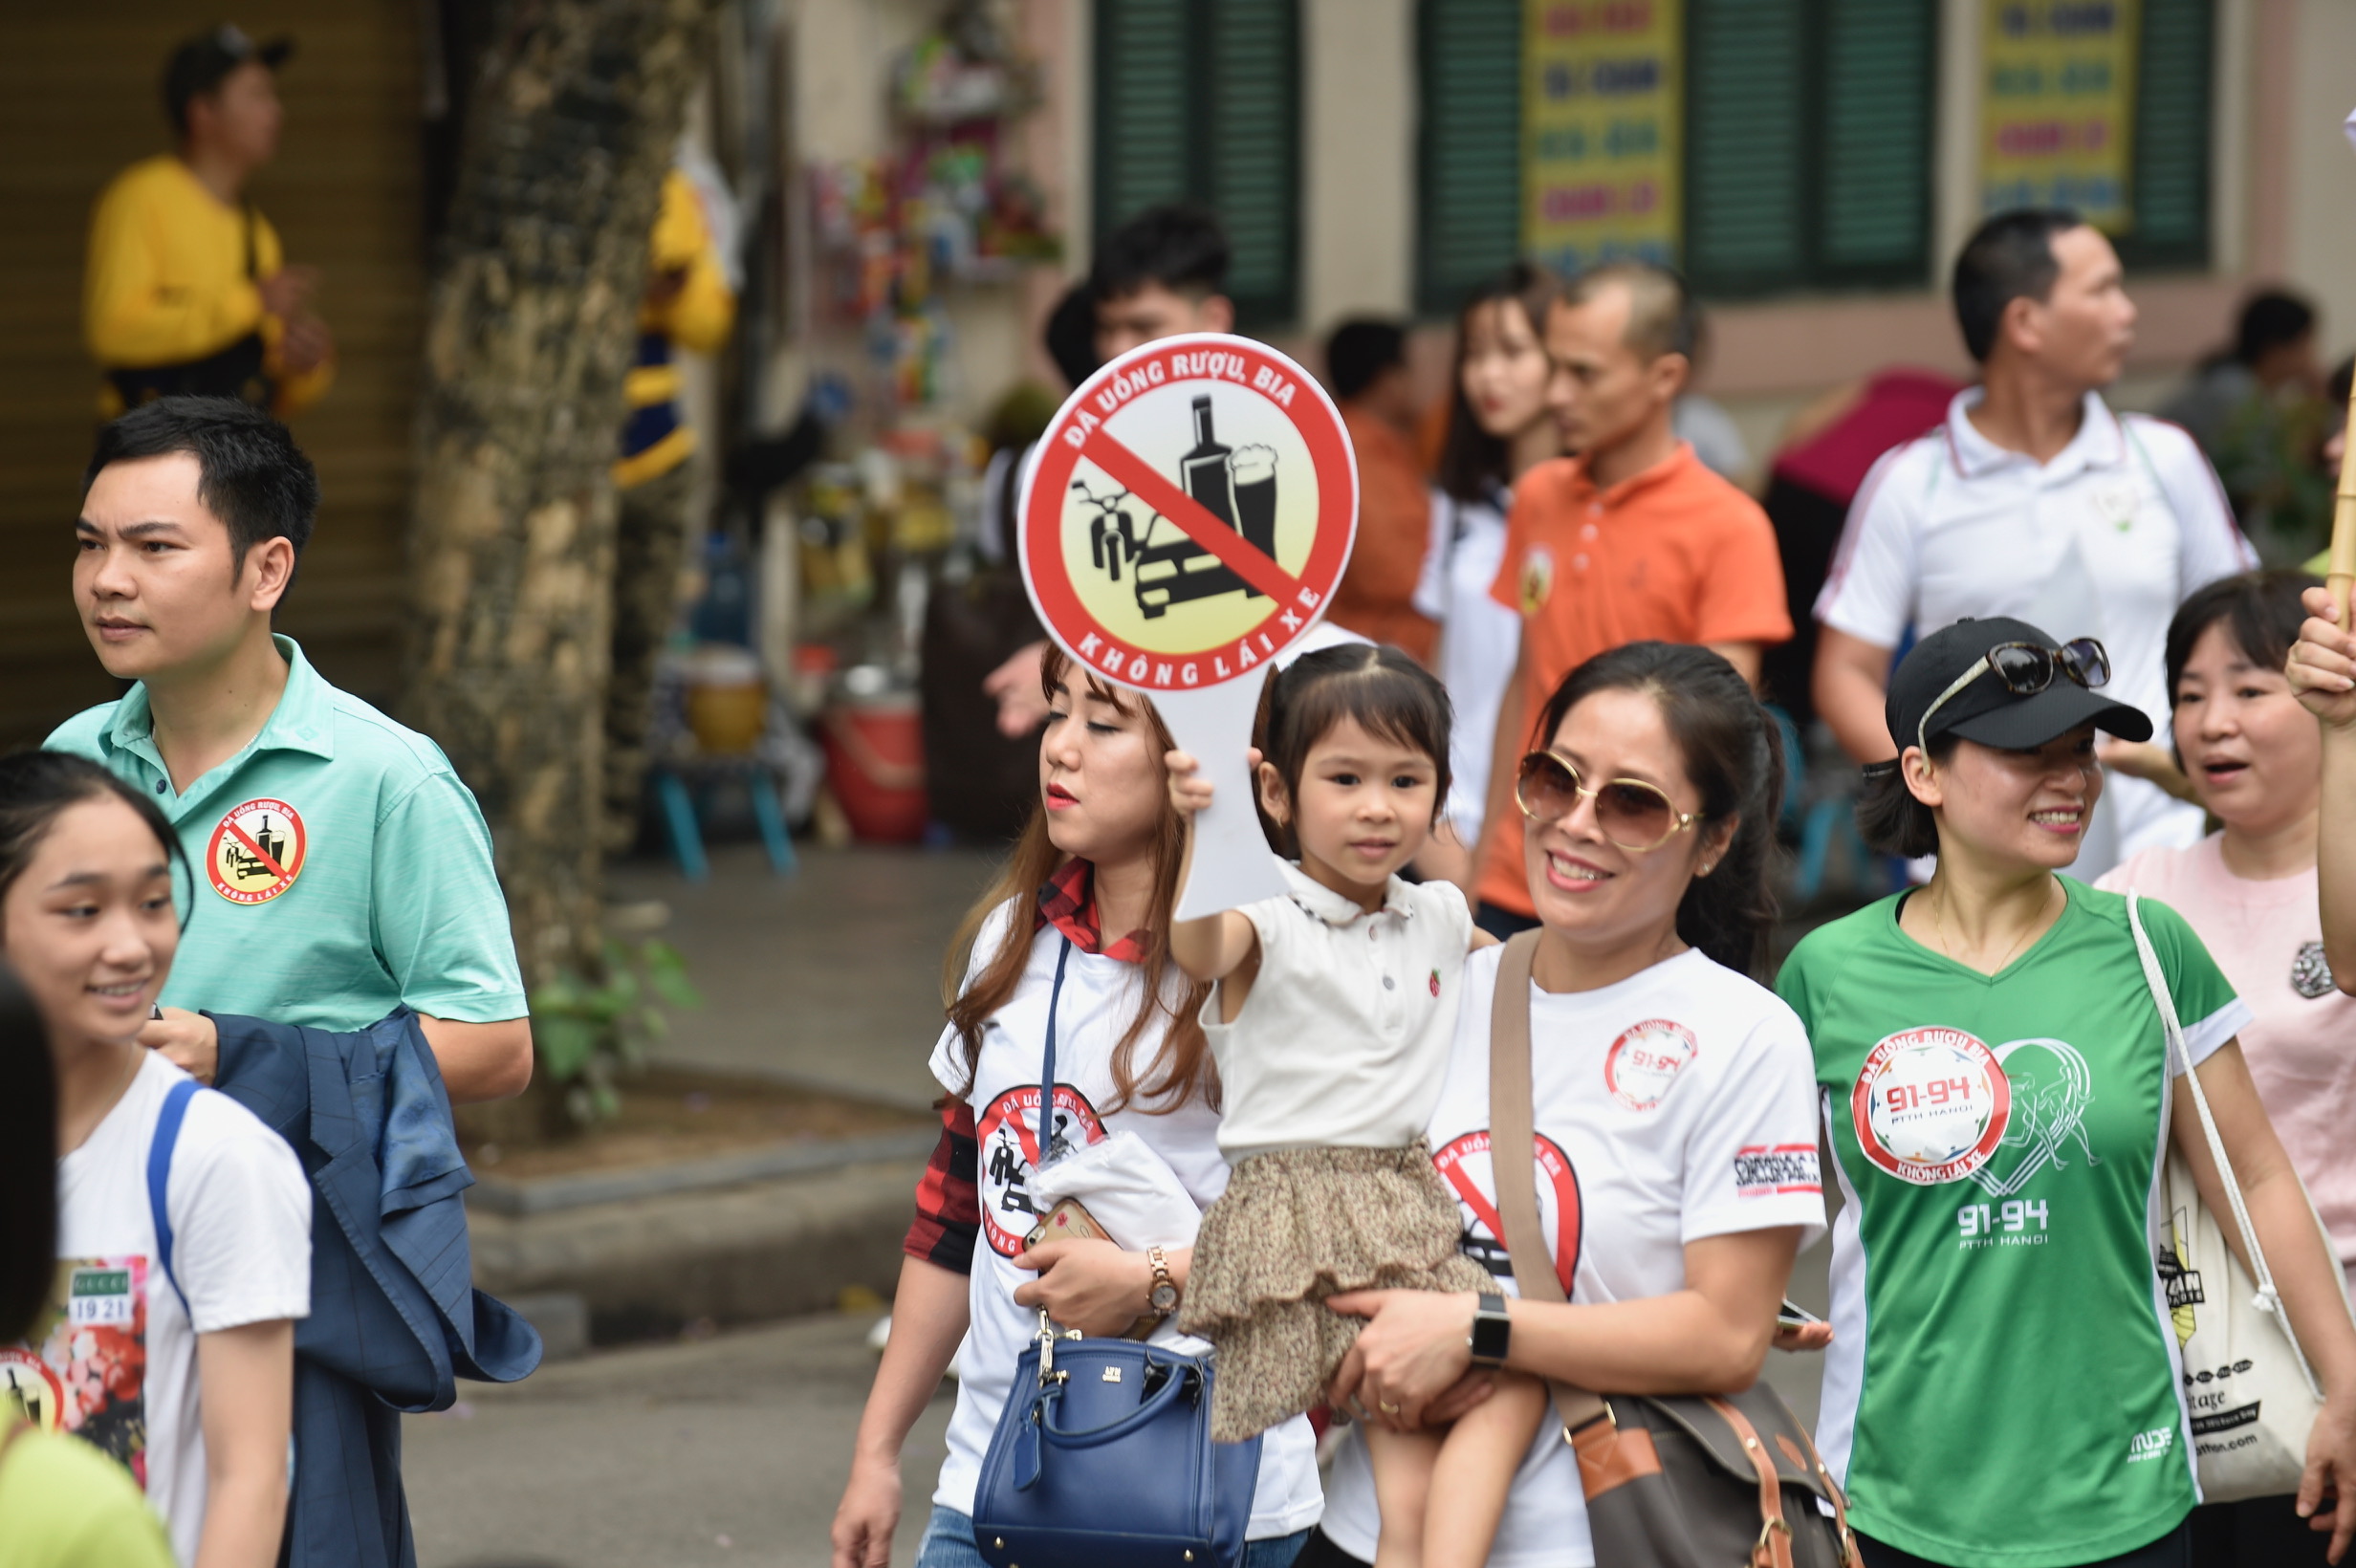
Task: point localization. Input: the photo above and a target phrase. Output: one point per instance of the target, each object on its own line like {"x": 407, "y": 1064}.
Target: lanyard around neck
{"x": 1053, "y": 1145}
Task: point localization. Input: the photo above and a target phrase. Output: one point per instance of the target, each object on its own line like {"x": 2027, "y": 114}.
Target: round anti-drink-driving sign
{"x": 1190, "y": 513}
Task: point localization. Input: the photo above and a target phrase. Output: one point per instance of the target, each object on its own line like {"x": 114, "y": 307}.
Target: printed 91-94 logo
{"x": 1931, "y": 1105}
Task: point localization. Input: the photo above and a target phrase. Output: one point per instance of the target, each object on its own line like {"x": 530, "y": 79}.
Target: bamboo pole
{"x": 2340, "y": 571}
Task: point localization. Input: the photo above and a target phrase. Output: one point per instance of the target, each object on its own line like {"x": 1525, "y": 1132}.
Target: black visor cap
{"x": 1986, "y": 710}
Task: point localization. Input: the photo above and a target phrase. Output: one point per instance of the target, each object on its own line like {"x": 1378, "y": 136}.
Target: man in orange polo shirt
{"x": 1631, "y": 540}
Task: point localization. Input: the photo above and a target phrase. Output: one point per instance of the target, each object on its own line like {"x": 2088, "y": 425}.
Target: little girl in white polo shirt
{"x": 1331, "y": 1019}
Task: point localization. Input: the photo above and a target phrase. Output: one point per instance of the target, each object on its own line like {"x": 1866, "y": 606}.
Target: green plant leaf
{"x": 566, "y": 1044}
{"x": 675, "y": 987}
{"x": 667, "y": 971}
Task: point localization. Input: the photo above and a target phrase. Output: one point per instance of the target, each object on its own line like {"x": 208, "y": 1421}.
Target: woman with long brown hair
{"x": 1499, "y": 427}
{"x": 1076, "y": 924}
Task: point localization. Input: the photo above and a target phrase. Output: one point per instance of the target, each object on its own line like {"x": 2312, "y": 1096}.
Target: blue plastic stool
{"x": 678, "y": 803}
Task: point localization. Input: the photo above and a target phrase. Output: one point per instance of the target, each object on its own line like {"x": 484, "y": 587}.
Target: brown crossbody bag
{"x": 1672, "y": 1481}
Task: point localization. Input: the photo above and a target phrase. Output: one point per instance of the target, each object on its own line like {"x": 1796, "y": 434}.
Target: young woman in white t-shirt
{"x": 179, "y": 1363}
{"x": 1498, "y": 425}
{"x": 2253, "y": 758}
{"x": 1087, "y": 889}
{"x": 1673, "y": 1097}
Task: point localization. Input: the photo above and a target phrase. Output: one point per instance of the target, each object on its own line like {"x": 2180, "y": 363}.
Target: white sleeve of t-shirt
{"x": 2210, "y": 541}
{"x": 240, "y": 1208}
{"x": 1751, "y": 1164}
{"x": 1430, "y": 597}
{"x": 1875, "y": 572}
{"x": 947, "y": 1060}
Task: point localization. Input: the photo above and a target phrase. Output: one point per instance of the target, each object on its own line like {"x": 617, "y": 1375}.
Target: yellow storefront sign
{"x": 1602, "y": 105}
{"x": 2057, "y": 106}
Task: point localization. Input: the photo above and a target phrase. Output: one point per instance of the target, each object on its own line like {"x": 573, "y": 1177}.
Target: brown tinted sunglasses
{"x": 1632, "y": 813}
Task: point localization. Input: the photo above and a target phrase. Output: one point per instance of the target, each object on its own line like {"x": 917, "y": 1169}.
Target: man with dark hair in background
{"x": 1366, "y": 367}
{"x": 1160, "y": 273}
{"x": 1632, "y": 540}
{"x": 186, "y": 290}
{"x": 2032, "y": 499}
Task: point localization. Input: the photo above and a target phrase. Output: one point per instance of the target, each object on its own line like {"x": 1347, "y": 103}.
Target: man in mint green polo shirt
{"x": 342, "y": 869}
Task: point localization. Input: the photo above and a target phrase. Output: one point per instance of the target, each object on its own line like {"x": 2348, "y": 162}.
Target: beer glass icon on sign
{"x": 1236, "y": 487}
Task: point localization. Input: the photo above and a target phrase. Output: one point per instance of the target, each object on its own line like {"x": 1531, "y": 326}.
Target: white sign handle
{"x": 1233, "y": 864}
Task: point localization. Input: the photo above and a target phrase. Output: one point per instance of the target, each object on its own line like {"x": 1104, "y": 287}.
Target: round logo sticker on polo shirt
{"x": 1931, "y": 1105}
{"x": 1538, "y": 579}
{"x": 1646, "y": 1061}
{"x": 256, "y": 851}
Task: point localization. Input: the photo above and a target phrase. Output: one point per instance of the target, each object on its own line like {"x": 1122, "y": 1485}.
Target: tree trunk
{"x": 531, "y": 326}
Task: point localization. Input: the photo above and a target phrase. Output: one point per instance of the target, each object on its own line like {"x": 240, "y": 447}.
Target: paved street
{"x": 731, "y": 1450}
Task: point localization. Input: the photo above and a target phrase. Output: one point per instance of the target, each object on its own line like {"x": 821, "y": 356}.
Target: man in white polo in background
{"x": 2033, "y": 499}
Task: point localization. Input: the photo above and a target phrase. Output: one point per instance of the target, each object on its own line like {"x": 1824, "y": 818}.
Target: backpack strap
{"x": 160, "y": 1171}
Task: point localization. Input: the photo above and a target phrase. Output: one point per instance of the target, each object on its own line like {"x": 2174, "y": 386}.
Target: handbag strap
{"x": 1513, "y": 1156}
{"x": 2180, "y": 1060}
{"x": 1050, "y": 1146}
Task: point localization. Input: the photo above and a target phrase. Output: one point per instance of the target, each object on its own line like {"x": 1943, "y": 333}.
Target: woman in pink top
{"x": 2254, "y": 759}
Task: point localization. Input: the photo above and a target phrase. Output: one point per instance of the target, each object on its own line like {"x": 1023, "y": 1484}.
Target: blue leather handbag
{"x": 1103, "y": 1459}
{"x": 1103, "y": 1456}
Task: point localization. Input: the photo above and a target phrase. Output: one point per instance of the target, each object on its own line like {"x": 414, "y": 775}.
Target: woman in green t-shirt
{"x": 2003, "y": 1389}
{"x": 62, "y": 1503}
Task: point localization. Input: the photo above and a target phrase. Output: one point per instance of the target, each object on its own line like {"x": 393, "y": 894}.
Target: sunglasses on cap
{"x": 2026, "y": 669}
{"x": 1632, "y": 813}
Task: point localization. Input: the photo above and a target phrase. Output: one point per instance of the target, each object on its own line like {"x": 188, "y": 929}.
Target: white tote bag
{"x": 2253, "y": 1396}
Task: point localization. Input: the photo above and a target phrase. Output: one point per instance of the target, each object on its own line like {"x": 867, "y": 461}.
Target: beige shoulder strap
{"x": 1513, "y": 1153}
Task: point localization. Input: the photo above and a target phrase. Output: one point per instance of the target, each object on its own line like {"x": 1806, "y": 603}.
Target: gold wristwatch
{"x": 1162, "y": 1295}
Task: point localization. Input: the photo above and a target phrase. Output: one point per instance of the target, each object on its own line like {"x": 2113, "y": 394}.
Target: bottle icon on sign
{"x": 1204, "y": 470}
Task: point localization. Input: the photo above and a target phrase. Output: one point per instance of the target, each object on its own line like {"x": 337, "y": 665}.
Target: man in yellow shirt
{"x": 187, "y": 290}
{"x": 689, "y": 305}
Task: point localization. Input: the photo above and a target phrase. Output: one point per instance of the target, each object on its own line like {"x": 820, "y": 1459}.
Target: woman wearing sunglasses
{"x": 2002, "y": 1388}
{"x": 1676, "y": 1159}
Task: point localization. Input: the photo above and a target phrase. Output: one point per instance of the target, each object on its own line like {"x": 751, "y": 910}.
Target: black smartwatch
{"x": 1492, "y": 1331}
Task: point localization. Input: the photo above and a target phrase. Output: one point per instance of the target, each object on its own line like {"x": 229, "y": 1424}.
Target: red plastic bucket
{"x": 874, "y": 766}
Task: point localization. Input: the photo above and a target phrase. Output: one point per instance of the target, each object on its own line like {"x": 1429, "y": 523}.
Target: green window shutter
{"x": 1198, "y": 100}
{"x": 1469, "y": 148}
{"x": 1252, "y": 145}
{"x": 2169, "y": 172}
{"x": 1747, "y": 197}
{"x": 1879, "y": 85}
{"x": 1143, "y": 115}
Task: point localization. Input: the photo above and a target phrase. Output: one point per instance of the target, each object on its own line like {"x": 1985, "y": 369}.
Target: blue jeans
{"x": 948, "y": 1543}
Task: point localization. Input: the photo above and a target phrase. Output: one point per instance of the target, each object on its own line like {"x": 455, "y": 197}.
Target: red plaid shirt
{"x": 948, "y": 1205}
{"x": 1068, "y": 903}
